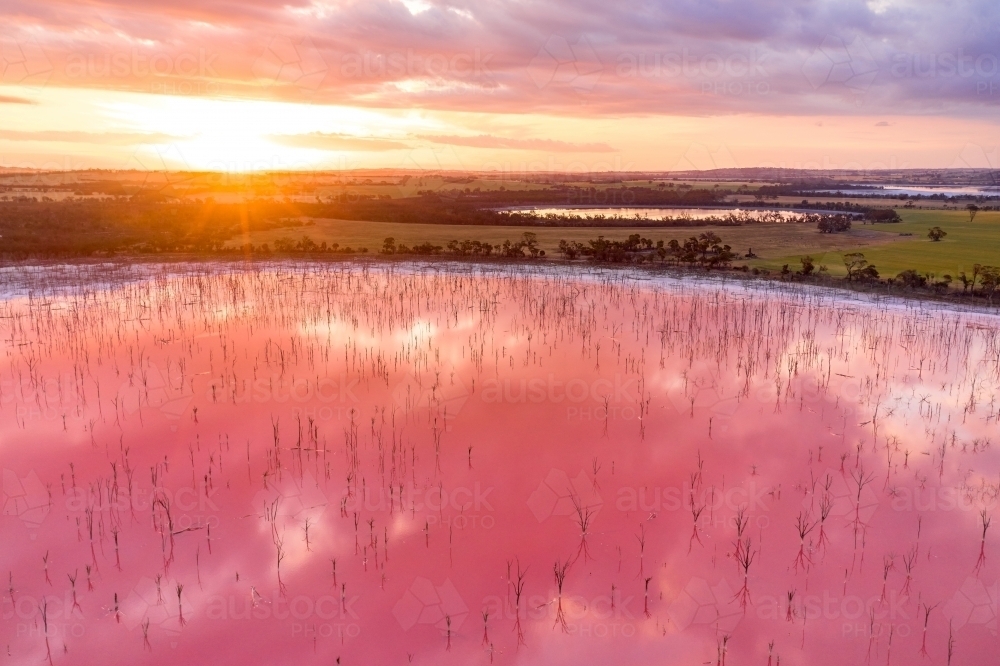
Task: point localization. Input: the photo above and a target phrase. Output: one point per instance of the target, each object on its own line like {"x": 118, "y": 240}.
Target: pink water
{"x": 306, "y": 464}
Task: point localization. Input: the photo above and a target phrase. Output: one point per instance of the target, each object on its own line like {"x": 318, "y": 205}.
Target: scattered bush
{"x": 834, "y": 224}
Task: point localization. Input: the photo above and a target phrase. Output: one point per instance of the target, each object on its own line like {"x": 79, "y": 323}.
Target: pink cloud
{"x": 548, "y": 145}
{"x": 101, "y": 138}
{"x": 580, "y": 59}
{"x": 338, "y": 142}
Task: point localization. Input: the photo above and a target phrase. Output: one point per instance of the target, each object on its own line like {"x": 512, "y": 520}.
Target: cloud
{"x": 338, "y": 142}
{"x": 548, "y": 145}
{"x": 100, "y": 138}
{"x": 573, "y": 58}
{"x": 9, "y": 99}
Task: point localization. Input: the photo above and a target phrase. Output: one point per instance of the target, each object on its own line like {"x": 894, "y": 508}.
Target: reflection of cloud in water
{"x": 784, "y": 386}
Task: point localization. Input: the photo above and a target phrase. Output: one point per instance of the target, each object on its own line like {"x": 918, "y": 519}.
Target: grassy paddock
{"x": 775, "y": 244}
{"x": 967, "y": 243}
{"x": 765, "y": 239}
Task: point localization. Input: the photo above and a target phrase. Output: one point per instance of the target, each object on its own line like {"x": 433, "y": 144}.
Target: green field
{"x": 766, "y": 240}
{"x": 882, "y": 244}
{"x": 967, "y": 243}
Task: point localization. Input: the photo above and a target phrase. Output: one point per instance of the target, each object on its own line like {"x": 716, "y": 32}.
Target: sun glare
{"x": 241, "y": 135}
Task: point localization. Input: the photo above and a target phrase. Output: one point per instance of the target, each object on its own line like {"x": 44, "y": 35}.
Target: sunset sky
{"x": 499, "y": 85}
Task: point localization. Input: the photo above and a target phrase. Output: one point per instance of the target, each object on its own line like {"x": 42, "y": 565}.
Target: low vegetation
{"x": 934, "y": 252}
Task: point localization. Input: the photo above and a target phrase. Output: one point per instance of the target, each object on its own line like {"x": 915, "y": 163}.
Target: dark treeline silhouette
{"x": 527, "y": 246}
{"x": 834, "y": 189}
{"x": 153, "y": 223}
{"x": 89, "y": 227}
{"x": 984, "y": 281}
{"x": 470, "y": 207}
{"x": 704, "y": 250}
{"x": 866, "y": 214}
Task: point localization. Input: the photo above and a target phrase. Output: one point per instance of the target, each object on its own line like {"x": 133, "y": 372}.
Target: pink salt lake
{"x": 299, "y": 464}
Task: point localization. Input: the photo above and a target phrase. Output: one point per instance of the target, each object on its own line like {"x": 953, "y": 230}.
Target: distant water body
{"x": 918, "y": 191}
{"x": 652, "y": 213}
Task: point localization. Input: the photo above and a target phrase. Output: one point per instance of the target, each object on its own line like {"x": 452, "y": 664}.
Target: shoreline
{"x": 879, "y": 293}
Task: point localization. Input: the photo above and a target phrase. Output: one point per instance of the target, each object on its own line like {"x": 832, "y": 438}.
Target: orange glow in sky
{"x": 497, "y": 86}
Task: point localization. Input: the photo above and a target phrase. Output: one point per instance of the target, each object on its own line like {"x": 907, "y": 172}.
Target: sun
{"x": 238, "y": 136}
{"x": 236, "y": 151}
